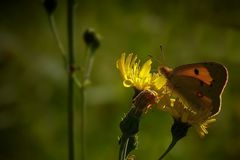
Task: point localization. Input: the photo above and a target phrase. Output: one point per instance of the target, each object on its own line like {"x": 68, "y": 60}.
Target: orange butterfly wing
{"x": 200, "y": 84}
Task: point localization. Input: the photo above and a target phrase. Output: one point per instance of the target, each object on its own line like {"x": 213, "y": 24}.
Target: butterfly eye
{"x": 196, "y": 71}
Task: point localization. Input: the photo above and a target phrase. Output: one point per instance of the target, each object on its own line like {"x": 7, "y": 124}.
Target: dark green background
{"x": 33, "y": 81}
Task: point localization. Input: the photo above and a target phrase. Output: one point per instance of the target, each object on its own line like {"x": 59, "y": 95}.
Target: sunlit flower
{"x": 181, "y": 112}
{"x": 136, "y": 76}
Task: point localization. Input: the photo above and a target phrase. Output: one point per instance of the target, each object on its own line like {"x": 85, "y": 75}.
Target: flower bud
{"x": 50, "y": 6}
{"x": 92, "y": 39}
{"x": 179, "y": 129}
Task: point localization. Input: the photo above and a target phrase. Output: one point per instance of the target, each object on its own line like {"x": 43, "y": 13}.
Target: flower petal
{"x": 145, "y": 69}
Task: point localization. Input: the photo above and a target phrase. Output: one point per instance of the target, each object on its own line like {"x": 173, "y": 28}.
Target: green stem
{"x": 82, "y": 120}
{"x": 57, "y": 37}
{"x": 82, "y": 86}
{"x": 123, "y": 147}
{"x": 89, "y": 60}
{"x": 170, "y": 147}
{"x": 61, "y": 47}
{"x": 179, "y": 130}
{"x": 70, "y": 30}
{"x": 77, "y": 81}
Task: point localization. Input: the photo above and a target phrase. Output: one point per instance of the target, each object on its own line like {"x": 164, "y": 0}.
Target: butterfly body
{"x": 200, "y": 85}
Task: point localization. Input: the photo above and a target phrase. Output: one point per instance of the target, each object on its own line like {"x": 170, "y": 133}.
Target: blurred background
{"x": 33, "y": 82}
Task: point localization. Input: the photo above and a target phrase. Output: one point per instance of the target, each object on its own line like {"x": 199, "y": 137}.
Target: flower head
{"x": 50, "y": 6}
{"x": 198, "y": 119}
{"x": 139, "y": 77}
{"x": 92, "y": 39}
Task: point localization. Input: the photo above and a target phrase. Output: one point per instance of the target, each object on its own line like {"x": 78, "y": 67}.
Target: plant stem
{"x": 179, "y": 130}
{"x": 82, "y": 86}
{"x": 170, "y": 147}
{"x": 123, "y": 147}
{"x": 70, "y": 30}
{"x": 89, "y": 60}
{"x": 82, "y": 119}
{"x": 57, "y": 38}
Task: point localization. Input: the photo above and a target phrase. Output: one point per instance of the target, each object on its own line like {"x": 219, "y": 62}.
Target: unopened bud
{"x": 92, "y": 39}
{"x": 50, "y": 6}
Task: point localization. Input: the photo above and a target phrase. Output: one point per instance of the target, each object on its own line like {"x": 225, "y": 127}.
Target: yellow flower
{"x": 136, "y": 76}
{"x": 198, "y": 119}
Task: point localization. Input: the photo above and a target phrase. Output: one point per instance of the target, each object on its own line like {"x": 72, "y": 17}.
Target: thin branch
{"x": 70, "y": 31}
{"x": 89, "y": 60}
{"x": 170, "y": 147}
{"x": 56, "y": 35}
{"x": 123, "y": 147}
{"x": 82, "y": 119}
{"x": 179, "y": 130}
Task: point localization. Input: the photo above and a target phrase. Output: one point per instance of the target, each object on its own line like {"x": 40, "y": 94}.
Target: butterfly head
{"x": 166, "y": 71}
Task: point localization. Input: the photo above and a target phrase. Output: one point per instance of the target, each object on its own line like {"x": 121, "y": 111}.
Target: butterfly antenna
{"x": 155, "y": 59}
{"x": 152, "y": 57}
{"x": 160, "y": 62}
{"x": 162, "y": 54}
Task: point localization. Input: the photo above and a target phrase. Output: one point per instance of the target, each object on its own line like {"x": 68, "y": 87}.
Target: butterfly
{"x": 198, "y": 84}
